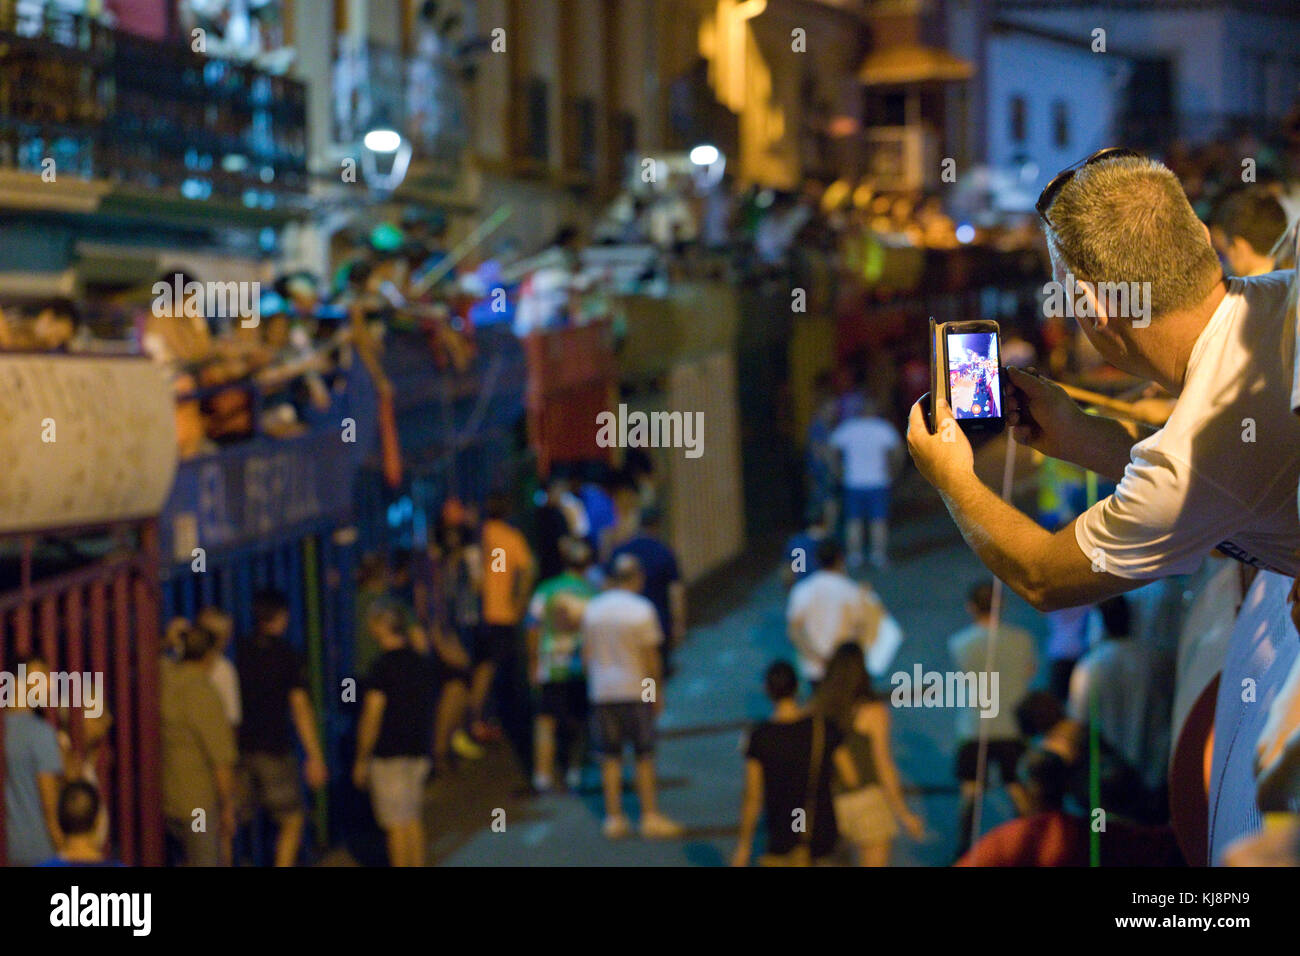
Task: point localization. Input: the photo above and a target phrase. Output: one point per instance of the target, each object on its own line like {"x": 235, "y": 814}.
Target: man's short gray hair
{"x": 1128, "y": 220}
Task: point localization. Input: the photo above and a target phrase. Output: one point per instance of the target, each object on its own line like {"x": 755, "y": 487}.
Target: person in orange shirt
{"x": 509, "y": 573}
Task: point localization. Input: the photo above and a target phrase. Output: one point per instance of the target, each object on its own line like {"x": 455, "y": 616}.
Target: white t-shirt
{"x": 1224, "y": 469}
{"x": 617, "y": 627}
{"x": 225, "y": 679}
{"x": 1015, "y": 661}
{"x": 866, "y": 443}
{"x": 825, "y": 610}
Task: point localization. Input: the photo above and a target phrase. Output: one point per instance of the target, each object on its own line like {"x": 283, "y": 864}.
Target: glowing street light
{"x": 383, "y": 140}
{"x": 709, "y": 164}
{"x": 704, "y": 155}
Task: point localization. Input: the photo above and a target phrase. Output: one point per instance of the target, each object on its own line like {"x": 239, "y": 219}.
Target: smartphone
{"x": 966, "y": 362}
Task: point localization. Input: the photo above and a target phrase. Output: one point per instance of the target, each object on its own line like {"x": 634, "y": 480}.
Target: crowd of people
{"x": 556, "y": 635}
{"x": 1118, "y": 686}
{"x": 272, "y": 357}
{"x": 556, "y": 642}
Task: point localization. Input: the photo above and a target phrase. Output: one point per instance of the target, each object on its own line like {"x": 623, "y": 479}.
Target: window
{"x": 624, "y": 136}
{"x": 580, "y": 136}
{"x": 1018, "y": 111}
{"x": 1060, "y": 124}
{"x": 532, "y": 122}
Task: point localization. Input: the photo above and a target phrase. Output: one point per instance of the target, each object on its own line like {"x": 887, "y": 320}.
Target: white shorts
{"x": 397, "y": 789}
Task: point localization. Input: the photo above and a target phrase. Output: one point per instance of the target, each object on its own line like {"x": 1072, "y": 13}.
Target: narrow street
{"x": 715, "y": 694}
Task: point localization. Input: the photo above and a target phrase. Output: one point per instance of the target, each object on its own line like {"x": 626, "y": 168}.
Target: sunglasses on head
{"x": 1053, "y": 189}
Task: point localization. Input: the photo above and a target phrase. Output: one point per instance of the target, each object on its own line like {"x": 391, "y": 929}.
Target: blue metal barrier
{"x": 269, "y": 512}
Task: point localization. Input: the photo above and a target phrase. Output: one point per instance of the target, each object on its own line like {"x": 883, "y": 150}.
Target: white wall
{"x": 490, "y": 98}
{"x": 313, "y": 38}
{"x": 1206, "y": 48}
{"x": 1043, "y": 72}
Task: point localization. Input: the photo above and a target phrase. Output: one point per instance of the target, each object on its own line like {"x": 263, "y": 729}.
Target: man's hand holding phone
{"x": 942, "y": 453}
{"x": 1042, "y": 416}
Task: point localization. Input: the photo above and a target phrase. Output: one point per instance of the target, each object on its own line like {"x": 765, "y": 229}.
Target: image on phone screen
{"x": 974, "y": 385}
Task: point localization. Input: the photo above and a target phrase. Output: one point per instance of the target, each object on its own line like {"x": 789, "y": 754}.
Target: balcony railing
{"x": 111, "y": 106}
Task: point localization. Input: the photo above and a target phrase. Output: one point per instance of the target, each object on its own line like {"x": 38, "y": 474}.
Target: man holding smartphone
{"x": 1223, "y": 470}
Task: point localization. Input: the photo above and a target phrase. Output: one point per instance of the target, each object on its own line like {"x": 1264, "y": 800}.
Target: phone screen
{"x": 974, "y": 375}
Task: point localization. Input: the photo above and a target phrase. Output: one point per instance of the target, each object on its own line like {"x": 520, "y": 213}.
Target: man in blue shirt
{"x": 33, "y": 768}
{"x": 663, "y": 585}
{"x": 596, "y": 499}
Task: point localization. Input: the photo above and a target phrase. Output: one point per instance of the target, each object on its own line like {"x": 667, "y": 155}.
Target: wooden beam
{"x": 1147, "y": 412}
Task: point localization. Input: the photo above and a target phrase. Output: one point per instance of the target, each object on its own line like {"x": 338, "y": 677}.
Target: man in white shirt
{"x": 829, "y": 608}
{"x": 620, "y": 650}
{"x": 872, "y": 451}
{"x": 1221, "y": 472}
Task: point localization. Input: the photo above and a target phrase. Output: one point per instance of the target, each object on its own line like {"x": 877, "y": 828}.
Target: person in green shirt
{"x": 555, "y": 664}
{"x": 372, "y": 586}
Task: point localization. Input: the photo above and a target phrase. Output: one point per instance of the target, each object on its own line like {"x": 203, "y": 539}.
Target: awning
{"x": 909, "y": 63}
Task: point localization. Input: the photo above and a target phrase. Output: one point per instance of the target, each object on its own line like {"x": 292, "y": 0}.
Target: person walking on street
{"x": 620, "y": 649}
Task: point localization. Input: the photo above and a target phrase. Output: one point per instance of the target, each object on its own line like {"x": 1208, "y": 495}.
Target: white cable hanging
{"x": 995, "y": 619}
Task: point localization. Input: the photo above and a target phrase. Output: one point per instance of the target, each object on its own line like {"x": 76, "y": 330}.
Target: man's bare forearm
{"x": 372, "y": 716}
{"x": 1000, "y": 535}
{"x": 1104, "y": 445}
{"x": 225, "y": 778}
{"x": 1047, "y": 569}
{"x": 750, "y": 808}
{"x": 304, "y": 720}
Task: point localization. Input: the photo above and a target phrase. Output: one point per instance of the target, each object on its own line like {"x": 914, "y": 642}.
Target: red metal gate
{"x": 572, "y": 378}
{"x": 102, "y": 618}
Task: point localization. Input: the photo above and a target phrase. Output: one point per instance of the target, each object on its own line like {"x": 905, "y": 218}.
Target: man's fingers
{"x": 916, "y": 418}
{"x": 1024, "y": 379}
{"x": 1031, "y": 383}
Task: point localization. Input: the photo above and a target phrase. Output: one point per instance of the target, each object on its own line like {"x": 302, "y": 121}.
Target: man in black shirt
{"x": 551, "y": 524}
{"x": 395, "y": 735}
{"x": 275, "y": 704}
{"x": 778, "y": 772}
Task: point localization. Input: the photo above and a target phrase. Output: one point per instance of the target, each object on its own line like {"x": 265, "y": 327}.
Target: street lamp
{"x": 705, "y": 154}
{"x": 382, "y": 141}
{"x": 709, "y": 164}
